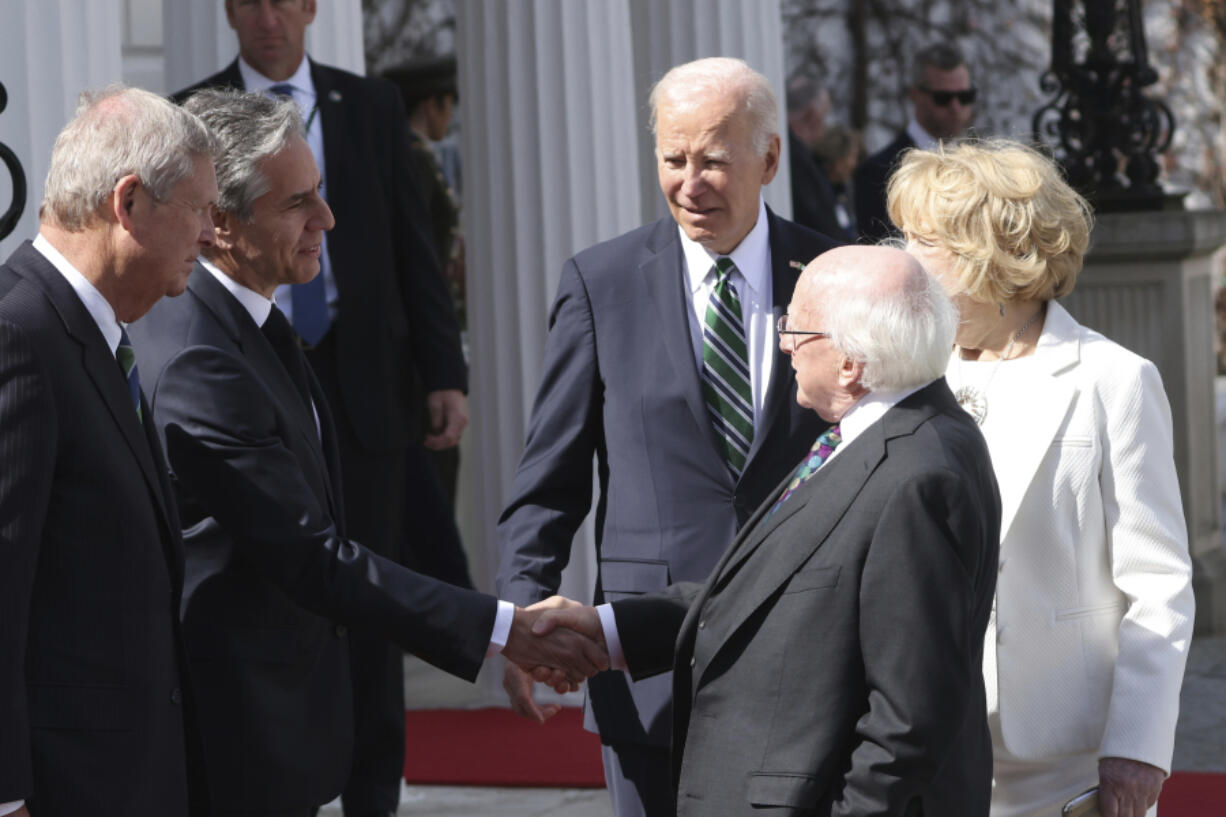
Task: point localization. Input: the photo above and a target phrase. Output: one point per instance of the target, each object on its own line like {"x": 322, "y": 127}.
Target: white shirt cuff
{"x": 9, "y": 808}
{"x": 498, "y": 638}
{"x": 608, "y": 622}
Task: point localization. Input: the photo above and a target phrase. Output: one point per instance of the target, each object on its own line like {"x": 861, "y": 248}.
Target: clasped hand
{"x": 558, "y": 642}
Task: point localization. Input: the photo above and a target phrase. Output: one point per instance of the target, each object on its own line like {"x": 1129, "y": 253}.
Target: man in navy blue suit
{"x": 662, "y": 364}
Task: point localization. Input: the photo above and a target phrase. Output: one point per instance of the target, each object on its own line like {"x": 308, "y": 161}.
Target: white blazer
{"x": 1094, "y": 597}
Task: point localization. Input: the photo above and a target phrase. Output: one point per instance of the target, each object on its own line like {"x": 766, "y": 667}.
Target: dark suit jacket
{"x": 621, "y": 383}
{"x": 271, "y": 579}
{"x": 91, "y": 568}
{"x": 812, "y": 195}
{"x": 870, "y": 181}
{"x": 831, "y": 664}
{"x": 396, "y": 331}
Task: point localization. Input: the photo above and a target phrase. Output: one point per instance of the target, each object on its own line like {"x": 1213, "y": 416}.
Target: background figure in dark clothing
{"x": 838, "y": 152}
{"x": 428, "y": 88}
{"x": 812, "y": 196}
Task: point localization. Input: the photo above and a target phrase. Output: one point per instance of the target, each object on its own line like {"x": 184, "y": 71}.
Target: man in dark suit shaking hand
{"x": 830, "y": 664}
{"x": 92, "y": 686}
{"x": 379, "y": 326}
{"x": 662, "y": 365}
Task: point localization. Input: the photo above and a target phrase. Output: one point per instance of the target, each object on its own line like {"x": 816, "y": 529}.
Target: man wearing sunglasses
{"x": 943, "y": 101}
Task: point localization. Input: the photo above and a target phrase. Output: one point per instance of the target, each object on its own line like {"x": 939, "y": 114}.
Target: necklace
{"x": 975, "y": 401}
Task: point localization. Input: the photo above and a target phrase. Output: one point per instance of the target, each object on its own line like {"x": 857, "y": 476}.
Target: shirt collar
{"x": 257, "y": 306}
{"x": 869, "y": 409}
{"x": 96, "y": 304}
{"x": 922, "y": 139}
{"x": 300, "y": 80}
{"x": 751, "y": 256}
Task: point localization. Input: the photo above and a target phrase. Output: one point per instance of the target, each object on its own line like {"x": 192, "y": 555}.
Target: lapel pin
{"x": 334, "y": 95}
{"x": 800, "y": 265}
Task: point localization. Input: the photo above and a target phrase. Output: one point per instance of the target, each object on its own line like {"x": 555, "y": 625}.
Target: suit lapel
{"x": 100, "y": 365}
{"x": 1041, "y": 416}
{"x": 259, "y": 354}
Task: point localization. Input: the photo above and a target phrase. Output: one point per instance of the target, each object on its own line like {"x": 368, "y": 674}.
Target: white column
{"x": 200, "y": 42}
{"x": 668, "y": 34}
{"x": 50, "y": 51}
{"x": 551, "y": 166}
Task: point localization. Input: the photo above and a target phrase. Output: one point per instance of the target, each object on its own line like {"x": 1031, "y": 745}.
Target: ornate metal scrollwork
{"x": 11, "y": 216}
{"x": 1101, "y": 126}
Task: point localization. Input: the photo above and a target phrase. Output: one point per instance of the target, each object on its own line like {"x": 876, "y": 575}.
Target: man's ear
{"x": 122, "y": 202}
{"x": 223, "y": 228}
{"x": 850, "y": 372}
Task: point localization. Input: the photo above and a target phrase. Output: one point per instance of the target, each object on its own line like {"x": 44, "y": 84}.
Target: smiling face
{"x": 282, "y": 242}
{"x": 271, "y": 33}
{"x": 709, "y": 172}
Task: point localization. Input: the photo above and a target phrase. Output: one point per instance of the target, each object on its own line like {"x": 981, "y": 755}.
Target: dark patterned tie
{"x": 818, "y": 454}
{"x": 283, "y": 341}
{"x": 126, "y": 356}
{"x": 311, "y": 317}
{"x": 726, "y": 384}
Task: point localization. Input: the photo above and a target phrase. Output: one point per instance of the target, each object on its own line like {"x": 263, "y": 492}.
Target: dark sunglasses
{"x": 942, "y": 98}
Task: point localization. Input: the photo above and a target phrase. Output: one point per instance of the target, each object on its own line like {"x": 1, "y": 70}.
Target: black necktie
{"x": 285, "y": 344}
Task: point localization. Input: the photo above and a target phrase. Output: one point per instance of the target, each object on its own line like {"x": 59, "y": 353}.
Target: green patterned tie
{"x": 126, "y": 356}
{"x": 725, "y": 369}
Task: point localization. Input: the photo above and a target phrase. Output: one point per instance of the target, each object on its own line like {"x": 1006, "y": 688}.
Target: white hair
{"x": 116, "y": 132}
{"x": 722, "y": 75}
{"x": 902, "y": 335}
{"x": 250, "y": 128}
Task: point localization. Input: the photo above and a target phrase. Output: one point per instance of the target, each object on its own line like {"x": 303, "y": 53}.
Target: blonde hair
{"x": 1015, "y": 228}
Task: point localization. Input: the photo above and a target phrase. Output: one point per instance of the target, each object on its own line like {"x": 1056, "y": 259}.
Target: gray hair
{"x": 801, "y": 91}
{"x": 902, "y": 335}
{"x": 723, "y": 75}
{"x": 250, "y": 127}
{"x": 116, "y": 132}
{"x": 941, "y": 56}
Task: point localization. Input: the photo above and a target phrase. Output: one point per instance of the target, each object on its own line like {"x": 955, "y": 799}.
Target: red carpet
{"x": 496, "y": 747}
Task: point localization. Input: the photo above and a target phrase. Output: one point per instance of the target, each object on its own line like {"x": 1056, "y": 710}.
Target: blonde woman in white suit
{"x": 1093, "y": 616}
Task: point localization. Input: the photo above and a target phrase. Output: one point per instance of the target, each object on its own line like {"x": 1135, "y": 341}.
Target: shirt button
{"x": 691, "y": 660}
{"x": 176, "y": 696}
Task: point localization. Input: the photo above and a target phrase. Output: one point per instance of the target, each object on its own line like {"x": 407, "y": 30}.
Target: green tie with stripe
{"x": 726, "y": 384}
{"x": 125, "y": 355}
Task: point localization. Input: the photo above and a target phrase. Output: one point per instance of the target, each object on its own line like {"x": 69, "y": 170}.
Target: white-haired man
{"x": 91, "y": 564}
{"x": 830, "y": 663}
{"x": 662, "y": 364}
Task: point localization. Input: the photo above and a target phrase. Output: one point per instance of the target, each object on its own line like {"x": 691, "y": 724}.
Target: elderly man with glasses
{"x": 943, "y": 100}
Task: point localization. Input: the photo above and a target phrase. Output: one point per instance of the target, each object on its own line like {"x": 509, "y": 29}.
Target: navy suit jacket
{"x": 832, "y": 663}
{"x": 272, "y": 582}
{"x": 396, "y": 331}
{"x": 92, "y": 705}
{"x": 870, "y": 180}
{"x": 812, "y": 196}
{"x": 621, "y": 384}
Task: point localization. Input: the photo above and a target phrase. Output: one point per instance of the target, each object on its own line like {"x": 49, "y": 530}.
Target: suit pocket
{"x": 620, "y": 578}
{"x": 815, "y": 578}
{"x": 791, "y": 790}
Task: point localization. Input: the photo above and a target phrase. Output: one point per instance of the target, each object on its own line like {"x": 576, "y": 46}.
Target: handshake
{"x": 557, "y": 642}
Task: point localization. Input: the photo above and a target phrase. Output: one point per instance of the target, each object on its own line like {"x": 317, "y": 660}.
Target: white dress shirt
{"x": 308, "y": 104}
{"x": 752, "y": 280}
{"x": 922, "y": 138}
{"x": 864, "y": 412}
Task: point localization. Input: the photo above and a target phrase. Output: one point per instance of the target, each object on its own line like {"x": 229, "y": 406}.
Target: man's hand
{"x": 518, "y": 685}
{"x": 1127, "y": 788}
{"x": 577, "y": 617}
{"x": 448, "y": 410}
{"x": 578, "y": 656}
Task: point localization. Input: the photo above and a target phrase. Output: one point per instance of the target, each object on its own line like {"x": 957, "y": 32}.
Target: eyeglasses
{"x": 789, "y": 335}
{"x": 942, "y": 98}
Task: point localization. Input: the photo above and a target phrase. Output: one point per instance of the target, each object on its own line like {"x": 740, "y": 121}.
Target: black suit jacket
{"x": 832, "y": 662}
{"x": 272, "y": 582}
{"x": 396, "y": 331}
{"x": 812, "y": 195}
{"x": 870, "y": 181}
{"x": 620, "y": 383}
{"x": 91, "y": 565}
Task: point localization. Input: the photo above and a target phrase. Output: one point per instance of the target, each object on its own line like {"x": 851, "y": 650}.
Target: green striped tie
{"x": 126, "y": 357}
{"x": 725, "y": 369}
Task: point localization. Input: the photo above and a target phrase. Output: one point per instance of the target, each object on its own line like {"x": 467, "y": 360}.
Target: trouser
{"x": 639, "y": 778}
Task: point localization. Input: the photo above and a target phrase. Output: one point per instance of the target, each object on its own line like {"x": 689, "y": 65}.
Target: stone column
{"x": 551, "y": 166}
{"x": 668, "y": 34}
{"x": 199, "y": 41}
{"x": 50, "y": 51}
{"x": 1147, "y": 285}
